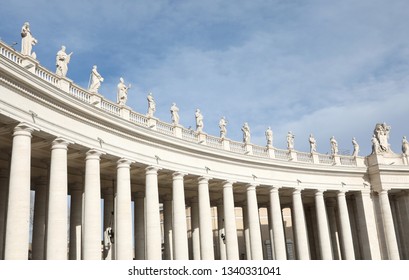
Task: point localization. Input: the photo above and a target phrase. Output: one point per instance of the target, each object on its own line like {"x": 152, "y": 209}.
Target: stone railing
{"x": 189, "y": 135}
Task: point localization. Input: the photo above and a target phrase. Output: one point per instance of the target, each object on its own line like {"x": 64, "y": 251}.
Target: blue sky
{"x": 331, "y": 68}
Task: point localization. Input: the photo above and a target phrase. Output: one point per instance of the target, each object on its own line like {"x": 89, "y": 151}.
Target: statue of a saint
{"x": 222, "y": 126}
{"x": 151, "y": 106}
{"x": 122, "y": 92}
{"x": 381, "y": 133}
{"x": 95, "y": 80}
{"x": 246, "y": 133}
{"x": 62, "y": 61}
{"x": 405, "y": 146}
{"x": 334, "y": 146}
{"x": 27, "y": 40}
{"x": 269, "y": 137}
{"x": 108, "y": 241}
{"x": 375, "y": 144}
{"x": 174, "y": 111}
{"x": 313, "y": 144}
{"x": 290, "y": 140}
{"x": 356, "y": 147}
{"x": 199, "y": 121}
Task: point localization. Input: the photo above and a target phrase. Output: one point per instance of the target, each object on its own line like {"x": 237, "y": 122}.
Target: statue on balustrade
{"x": 222, "y": 126}
{"x": 174, "y": 111}
{"x": 246, "y": 133}
{"x": 356, "y": 147}
{"x": 290, "y": 140}
{"x": 375, "y": 144}
{"x": 95, "y": 80}
{"x": 62, "y": 61}
{"x": 199, "y": 121}
{"x": 334, "y": 146}
{"x": 269, "y": 137}
{"x": 313, "y": 144}
{"x": 405, "y": 146}
{"x": 381, "y": 133}
{"x": 27, "y": 41}
{"x": 151, "y": 106}
{"x": 122, "y": 92}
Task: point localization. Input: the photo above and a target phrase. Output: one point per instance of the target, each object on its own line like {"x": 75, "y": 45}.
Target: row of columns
{"x": 85, "y": 229}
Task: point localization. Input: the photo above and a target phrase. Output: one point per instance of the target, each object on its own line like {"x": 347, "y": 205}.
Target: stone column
{"x": 232, "y": 246}
{"x": 3, "y": 208}
{"x": 180, "y": 244}
{"x": 39, "y": 226}
{"x": 139, "y": 226}
{"x": 92, "y": 207}
{"x": 57, "y": 221}
{"x": 76, "y": 191}
{"x": 152, "y": 220}
{"x": 18, "y": 212}
{"x": 346, "y": 233}
{"x": 205, "y": 220}
{"x": 254, "y": 224}
{"x": 300, "y": 228}
{"x": 323, "y": 230}
{"x": 123, "y": 215}
{"x": 278, "y": 242}
{"x": 246, "y": 231}
{"x": 332, "y": 221}
{"x": 167, "y": 228}
{"x": 109, "y": 222}
{"x": 391, "y": 242}
{"x": 221, "y": 230}
{"x": 194, "y": 213}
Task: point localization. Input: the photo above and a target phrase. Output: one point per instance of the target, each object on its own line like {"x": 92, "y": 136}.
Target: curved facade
{"x": 193, "y": 195}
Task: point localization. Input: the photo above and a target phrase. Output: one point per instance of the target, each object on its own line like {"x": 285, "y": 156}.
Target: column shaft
{"x": 57, "y": 220}
{"x": 205, "y": 220}
{"x": 194, "y": 208}
{"x": 152, "y": 221}
{"x": 300, "y": 229}
{"x": 92, "y": 207}
{"x": 39, "y": 226}
{"x": 278, "y": 242}
{"x": 346, "y": 233}
{"x": 18, "y": 213}
{"x": 167, "y": 229}
{"x": 139, "y": 226}
{"x": 3, "y": 208}
{"x": 323, "y": 230}
{"x": 246, "y": 230}
{"x": 391, "y": 242}
{"x": 254, "y": 224}
{"x": 180, "y": 244}
{"x": 76, "y": 222}
{"x": 221, "y": 231}
{"x": 232, "y": 246}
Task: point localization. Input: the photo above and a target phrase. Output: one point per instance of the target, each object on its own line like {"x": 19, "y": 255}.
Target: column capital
{"x": 94, "y": 154}
{"x": 178, "y": 175}
{"x": 203, "y": 179}
{"x": 297, "y": 190}
{"x": 273, "y": 189}
{"x": 60, "y": 143}
{"x": 384, "y": 190}
{"x": 251, "y": 186}
{"x": 228, "y": 184}
{"x": 152, "y": 169}
{"x": 25, "y": 129}
{"x": 124, "y": 163}
{"x": 319, "y": 192}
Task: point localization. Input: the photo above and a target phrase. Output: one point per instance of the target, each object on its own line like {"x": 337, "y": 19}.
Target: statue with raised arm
{"x": 269, "y": 137}
{"x": 62, "y": 61}
{"x": 122, "y": 92}
{"x": 95, "y": 80}
{"x": 199, "y": 121}
{"x": 381, "y": 133}
{"x": 375, "y": 144}
{"x": 334, "y": 146}
{"x": 246, "y": 133}
{"x": 151, "y": 106}
{"x": 222, "y": 126}
{"x": 405, "y": 146}
{"x": 356, "y": 147}
{"x": 290, "y": 140}
{"x": 313, "y": 144}
{"x": 27, "y": 40}
{"x": 174, "y": 111}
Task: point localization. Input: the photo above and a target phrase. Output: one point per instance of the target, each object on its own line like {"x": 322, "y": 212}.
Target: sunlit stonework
{"x": 193, "y": 195}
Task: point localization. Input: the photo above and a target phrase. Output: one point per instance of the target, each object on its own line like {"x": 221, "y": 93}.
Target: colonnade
{"x": 141, "y": 235}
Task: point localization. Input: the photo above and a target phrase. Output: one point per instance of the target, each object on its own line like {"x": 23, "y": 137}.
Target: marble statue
{"x": 174, "y": 110}
{"x": 381, "y": 133}
{"x": 108, "y": 242}
{"x": 151, "y": 106}
{"x": 356, "y": 147}
{"x": 313, "y": 144}
{"x": 222, "y": 126}
{"x": 199, "y": 121}
{"x": 375, "y": 144}
{"x": 122, "y": 92}
{"x": 405, "y": 146}
{"x": 269, "y": 137}
{"x": 95, "y": 80}
{"x": 290, "y": 140}
{"x": 246, "y": 133}
{"x": 62, "y": 61}
{"x": 334, "y": 146}
{"x": 27, "y": 40}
